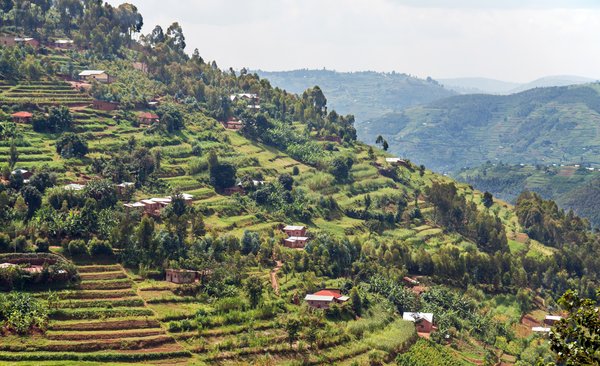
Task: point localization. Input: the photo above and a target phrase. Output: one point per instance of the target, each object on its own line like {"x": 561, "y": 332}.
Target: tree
{"x": 13, "y": 155}
{"x": 254, "y": 289}
{"x": 356, "y": 301}
{"x": 70, "y": 145}
{"x": 250, "y": 242}
{"x": 340, "y": 168}
{"x": 286, "y": 181}
{"x": 33, "y": 199}
{"x": 487, "y": 199}
{"x": 576, "y": 338}
{"x": 222, "y": 175}
{"x": 385, "y": 145}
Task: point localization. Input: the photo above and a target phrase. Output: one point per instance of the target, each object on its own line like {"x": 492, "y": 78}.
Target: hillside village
{"x": 149, "y": 215}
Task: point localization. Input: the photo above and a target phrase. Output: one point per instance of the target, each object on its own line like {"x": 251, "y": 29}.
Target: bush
{"x": 42, "y": 245}
{"x": 21, "y": 313}
{"x": 99, "y": 247}
{"x": 77, "y": 247}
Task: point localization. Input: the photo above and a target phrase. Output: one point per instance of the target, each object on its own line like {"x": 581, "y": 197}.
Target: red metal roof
{"x": 333, "y": 293}
{"x": 22, "y": 114}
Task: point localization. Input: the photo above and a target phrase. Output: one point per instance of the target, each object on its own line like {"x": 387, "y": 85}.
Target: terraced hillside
{"x": 104, "y": 320}
{"x": 538, "y": 126}
{"x": 42, "y": 93}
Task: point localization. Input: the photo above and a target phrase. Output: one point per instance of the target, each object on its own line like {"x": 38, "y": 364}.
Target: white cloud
{"x": 506, "y": 40}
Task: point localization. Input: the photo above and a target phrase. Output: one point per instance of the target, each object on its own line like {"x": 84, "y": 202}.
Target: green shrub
{"x": 21, "y": 313}
{"x": 77, "y": 247}
{"x": 99, "y": 248}
{"x": 42, "y": 245}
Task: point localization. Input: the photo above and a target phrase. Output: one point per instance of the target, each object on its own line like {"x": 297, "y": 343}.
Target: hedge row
{"x": 67, "y": 314}
{"x": 97, "y": 357}
{"x": 101, "y": 303}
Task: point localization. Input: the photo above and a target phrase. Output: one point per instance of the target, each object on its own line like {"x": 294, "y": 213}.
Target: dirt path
{"x": 274, "y": 282}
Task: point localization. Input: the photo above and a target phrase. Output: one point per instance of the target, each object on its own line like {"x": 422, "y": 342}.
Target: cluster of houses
{"x": 64, "y": 44}
{"x": 549, "y": 321}
{"x": 252, "y": 99}
{"x": 153, "y": 206}
{"x": 297, "y": 238}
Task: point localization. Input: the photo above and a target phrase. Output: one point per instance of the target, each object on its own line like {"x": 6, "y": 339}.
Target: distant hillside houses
{"x": 15, "y": 41}
{"x": 98, "y": 75}
{"x": 153, "y": 206}
{"x": 297, "y": 237}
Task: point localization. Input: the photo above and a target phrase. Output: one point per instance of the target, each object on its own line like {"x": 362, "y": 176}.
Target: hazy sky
{"x": 513, "y": 40}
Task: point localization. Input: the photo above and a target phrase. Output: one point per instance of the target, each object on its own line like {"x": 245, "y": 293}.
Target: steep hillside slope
{"x": 365, "y": 94}
{"x": 571, "y": 187}
{"x": 544, "y": 125}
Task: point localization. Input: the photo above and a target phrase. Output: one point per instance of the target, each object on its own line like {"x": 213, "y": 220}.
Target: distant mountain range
{"x": 365, "y": 94}
{"x": 537, "y": 126}
{"x": 476, "y": 85}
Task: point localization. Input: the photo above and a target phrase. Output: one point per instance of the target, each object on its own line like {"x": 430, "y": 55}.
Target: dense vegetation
{"x": 572, "y": 187}
{"x": 481, "y": 263}
{"x": 538, "y": 126}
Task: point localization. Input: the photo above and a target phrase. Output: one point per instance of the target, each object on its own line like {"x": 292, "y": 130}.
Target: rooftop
{"x": 294, "y": 227}
{"x": 413, "y": 317}
{"x": 91, "y": 72}
{"x": 311, "y": 297}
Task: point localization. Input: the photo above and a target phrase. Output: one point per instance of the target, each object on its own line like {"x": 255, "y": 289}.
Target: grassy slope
{"x": 105, "y": 135}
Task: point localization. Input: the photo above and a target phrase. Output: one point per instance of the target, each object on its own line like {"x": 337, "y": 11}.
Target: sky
{"x": 511, "y": 40}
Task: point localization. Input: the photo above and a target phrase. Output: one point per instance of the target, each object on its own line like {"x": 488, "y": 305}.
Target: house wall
{"x": 296, "y": 232}
{"x": 423, "y": 326}
{"x": 318, "y": 304}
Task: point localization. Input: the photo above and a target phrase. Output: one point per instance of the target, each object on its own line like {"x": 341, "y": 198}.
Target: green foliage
{"x": 21, "y": 313}
{"x": 58, "y": 119}
{"x": 254, "y": 289}
{"x": 574, "y": 339}
{"x": 70, "y": 145}
{"x": 425, "y": 353}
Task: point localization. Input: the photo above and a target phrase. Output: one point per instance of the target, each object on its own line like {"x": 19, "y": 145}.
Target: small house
{"x": 324, "y": 298}
{"x": 151, "y": 207}
{"x": 396, "y": 162}
{"x": 22, "y": 117}
{"x": 552, "y": 319}
{"x": 136, "y": 206}
{"x": 233, "y": 124}
{"x": 181, "y": 276}
{"x": 423, "y": 321}
{"x": 252, "y": 98}
{"x": 540, "y": 329}
{"x": 103, "y": 105}
{"x": 26, "y": 174}
{"x": 294, "y": 230}
{"x": 295, "y": 242}
{"x": 147, "y": 118}
{"x": 123, "y": 187}
{"x": 27, "y": 41}
{"x": 64, "y": 44}
{"x": 98, "y": 75}
{"x": 74, "y": 187}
